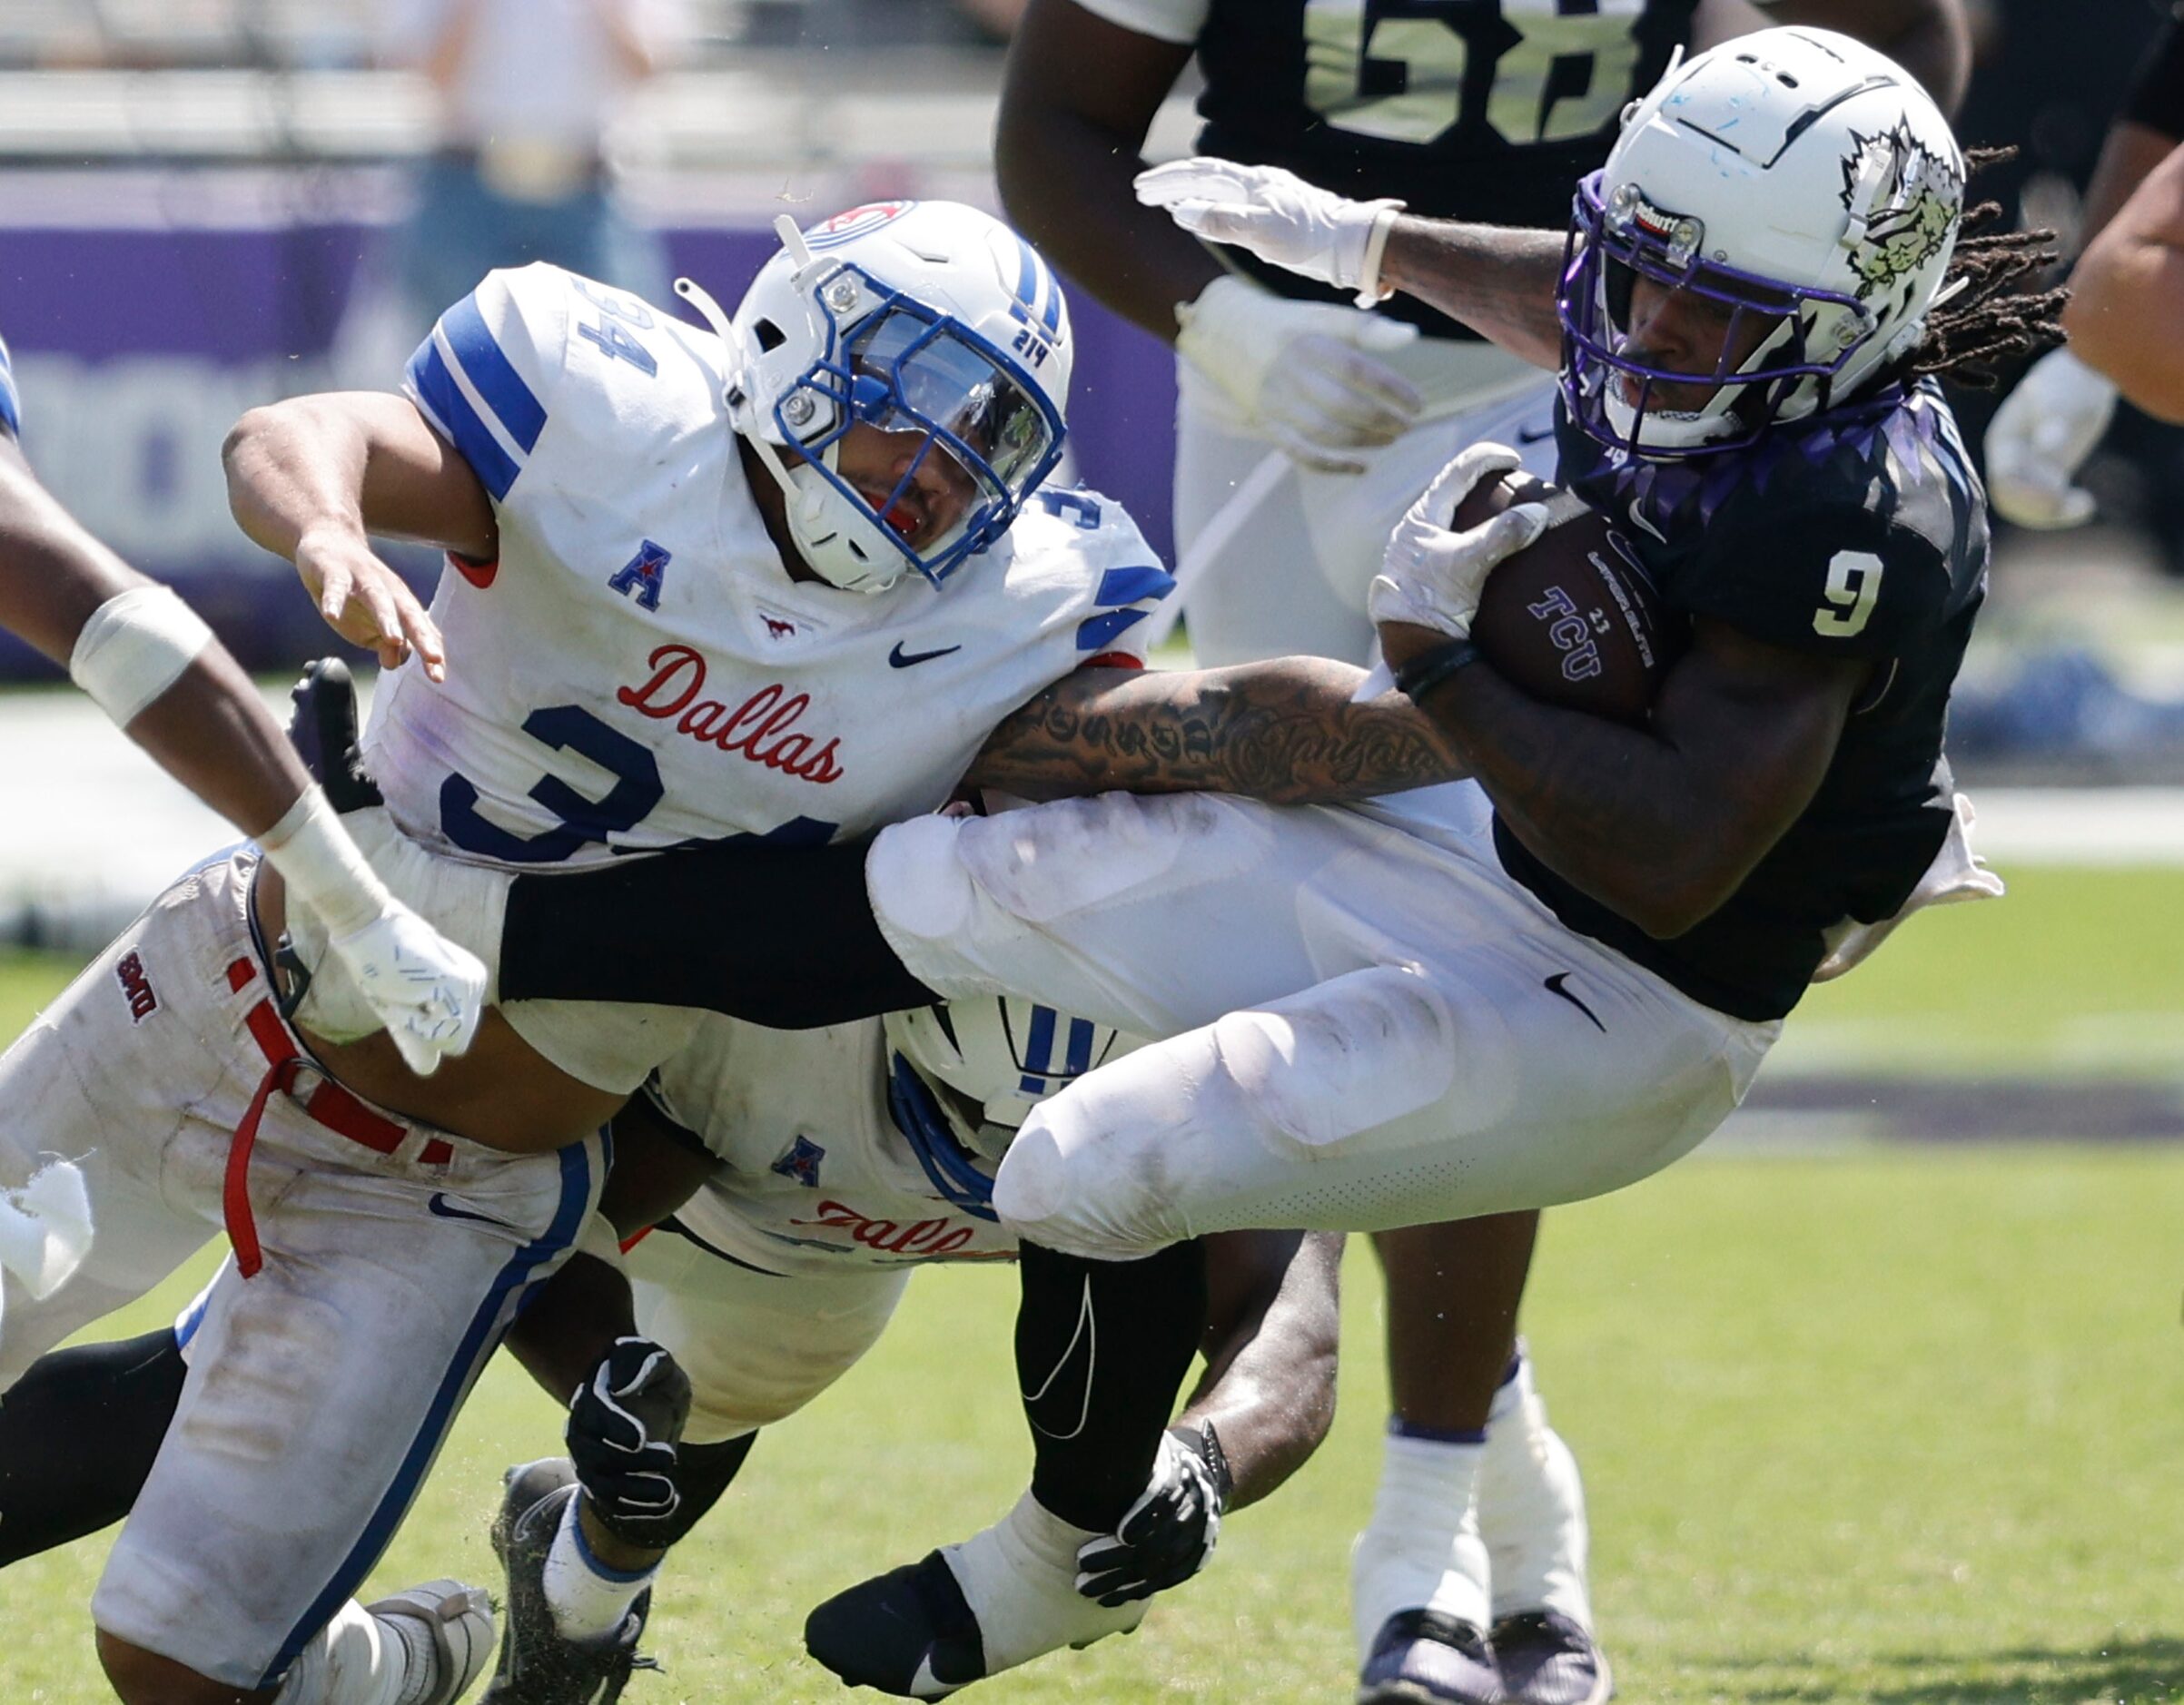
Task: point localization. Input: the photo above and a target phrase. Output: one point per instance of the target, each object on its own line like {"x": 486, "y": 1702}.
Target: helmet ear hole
{"x": 770, "y": 335}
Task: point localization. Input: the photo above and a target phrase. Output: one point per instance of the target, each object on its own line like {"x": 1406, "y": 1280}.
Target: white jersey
{"x": 638, "y": 671}
{"x": 815, "y": 1178}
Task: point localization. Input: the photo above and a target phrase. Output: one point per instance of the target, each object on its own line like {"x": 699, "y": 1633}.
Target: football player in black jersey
{"x": 1305, "y": 427}
{"x": 2058, "y": 414}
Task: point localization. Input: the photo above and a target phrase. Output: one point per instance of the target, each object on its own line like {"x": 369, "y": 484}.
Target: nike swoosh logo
{"x": 1554, "y": 986}
{"x": 441, "y": 1207}
{"x": 900, "y": 659}
{"x": 1525, "y": 435}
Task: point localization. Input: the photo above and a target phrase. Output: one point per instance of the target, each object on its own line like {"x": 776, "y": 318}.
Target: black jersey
{"x": 1485, "y": 110}
{"x": 1860, "y": 533}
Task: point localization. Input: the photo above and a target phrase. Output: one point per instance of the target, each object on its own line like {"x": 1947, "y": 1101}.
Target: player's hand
{"x": 625, "y": 1423}
{"x": 428, "y": 992}
{"x": 366, "y": 603}
{"x": 1303, "y": 375}
{"x": 1278, "y": 216}
{"x": 1167, "y": 1535}
{"x": 1432, "y": 577}
{"x": 2039, "y": 439}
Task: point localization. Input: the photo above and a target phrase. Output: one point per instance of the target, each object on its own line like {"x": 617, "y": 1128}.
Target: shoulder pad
{"x": 485, "y": 374}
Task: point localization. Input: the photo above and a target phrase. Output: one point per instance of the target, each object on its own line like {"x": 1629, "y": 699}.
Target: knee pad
{"x": 1358, "y": 1051}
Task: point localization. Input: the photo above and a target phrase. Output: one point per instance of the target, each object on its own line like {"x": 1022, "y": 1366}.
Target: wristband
{"x": 1371, "y": 292}
{"x": 134, "y": 646}
{"x": 1428, "y": 669}
{"x": 322, "y": 867}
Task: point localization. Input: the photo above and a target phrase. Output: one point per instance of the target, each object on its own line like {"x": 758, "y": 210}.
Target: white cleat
{"x": 459, "y": 1620}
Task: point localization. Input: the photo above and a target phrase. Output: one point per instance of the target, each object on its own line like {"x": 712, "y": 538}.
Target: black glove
{"x": 1167, "y": 1535}
{"x": 624, "y": 1425}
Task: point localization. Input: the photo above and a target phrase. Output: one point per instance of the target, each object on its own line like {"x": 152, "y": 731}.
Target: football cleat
{"x": 460, "y": 1622}
{"x": 539, "y": 1664}
{"x": 966, "y": 1612}
{"x": 323, "y": 731}
{"x": 1423, "y": 1658}
{"x": 1548, "y": 1659}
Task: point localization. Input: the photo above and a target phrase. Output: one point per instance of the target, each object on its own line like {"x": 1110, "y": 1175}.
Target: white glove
{"x": 1278, "y": 217}
{"x": 1301, "y": 374}
{"x": 348, "y": 995}
{"x": 1433, "y": 576}
{"x": 2041, "y": 436}
{"x": 428, "y": 992}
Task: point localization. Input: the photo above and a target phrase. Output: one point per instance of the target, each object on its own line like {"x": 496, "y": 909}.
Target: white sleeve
{"x": 1127, "y": 584}
{"x": 485, "y": 375}
{"x": 1176, "y": 21}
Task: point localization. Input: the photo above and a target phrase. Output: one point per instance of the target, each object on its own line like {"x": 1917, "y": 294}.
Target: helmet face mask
{"x": 1787, "y": 334}
{"x": 1794, "y": 189}
{"x": 901, "y": 371}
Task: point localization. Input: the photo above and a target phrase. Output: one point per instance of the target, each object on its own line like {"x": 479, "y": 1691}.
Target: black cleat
{"x": 1423, "y": 1658}
{"x": 323, "y": 731}
{"x": 1547, "y": 1658}
{"x": 539, "y": 1664}
{"x": 909, "y": 1633}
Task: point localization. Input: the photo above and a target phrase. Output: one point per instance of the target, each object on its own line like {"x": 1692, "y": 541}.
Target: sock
{"x": 78, "y": 1434}
{"x": 1102, "y": 1350}
{"x": 589, "y": 1600}
{"x": 357, "y": 1659}
{"x": 1019, "y": 1578}
{"x": 1514, "y": 1387}
{"x": 1421, "y": 1549}
{"x": 1531, "y": 1508}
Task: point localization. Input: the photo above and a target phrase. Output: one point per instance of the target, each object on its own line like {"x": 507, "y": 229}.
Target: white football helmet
{"x": 1794, "y": 176}
{"x": 925, "y": 317}
{"x": 966, "y": 1075}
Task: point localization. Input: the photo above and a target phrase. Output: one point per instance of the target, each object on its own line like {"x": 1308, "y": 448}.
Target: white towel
{"x": 1956, "y": 874}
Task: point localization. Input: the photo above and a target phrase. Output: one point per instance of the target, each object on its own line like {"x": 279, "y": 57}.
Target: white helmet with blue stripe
{"x": 964, "y": 1077}
{"x": 914, "y": 317}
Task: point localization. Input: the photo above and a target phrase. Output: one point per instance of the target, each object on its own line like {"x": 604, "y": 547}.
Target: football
{"x": 1573, "y": 618}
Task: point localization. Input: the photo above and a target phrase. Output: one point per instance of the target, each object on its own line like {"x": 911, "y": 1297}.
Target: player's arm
{"x": 1932, "y": 39}
{"x": 1066, "y": 149}
{"x": 1288, "y": 731}
{"x": 1660, "y": 824}
{"x": 1498, "y": 281}
{"x": 1273, "y": 1320}
{"x": 314, "y": 478}
{"x": 202, "y": 719}
{"x": 2126, "y": 302}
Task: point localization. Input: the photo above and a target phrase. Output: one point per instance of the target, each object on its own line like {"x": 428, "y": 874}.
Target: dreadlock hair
{"x": 1986, "y": 319}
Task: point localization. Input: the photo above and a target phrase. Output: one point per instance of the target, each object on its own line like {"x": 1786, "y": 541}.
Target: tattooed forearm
{"x": 1497, "y": 280}
{"x": 1284, "y": 732}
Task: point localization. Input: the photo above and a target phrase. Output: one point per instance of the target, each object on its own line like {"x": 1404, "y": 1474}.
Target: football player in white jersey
{"x": 772, "y": 582}
{"x": 1304, "y": 428}
{"x": 808, "y": 1173}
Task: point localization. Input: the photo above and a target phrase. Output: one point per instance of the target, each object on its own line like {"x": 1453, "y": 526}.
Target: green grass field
{"x": 1898, "y": 1424}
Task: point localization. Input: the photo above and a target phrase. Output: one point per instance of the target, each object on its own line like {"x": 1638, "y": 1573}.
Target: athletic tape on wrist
{"x": 322, "y": 867}
{"x": 1371, "y": 292}
{"x": 135, "y": 647}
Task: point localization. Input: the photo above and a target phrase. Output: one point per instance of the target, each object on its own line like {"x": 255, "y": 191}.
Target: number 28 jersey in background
{"x": 636, "y": 671}
{"x": 1484, "y": 110}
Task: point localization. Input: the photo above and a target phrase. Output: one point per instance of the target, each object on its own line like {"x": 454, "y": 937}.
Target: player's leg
{"x": 78, "y": 1435}
{"x": 1102, "y": 1351}
{"x": 754, "y": 1348}
{"x": 1259, "y": 591}
{"x": 1421, "y": 1590}
{"x": 319, "y": 1391}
